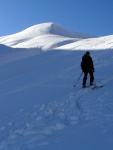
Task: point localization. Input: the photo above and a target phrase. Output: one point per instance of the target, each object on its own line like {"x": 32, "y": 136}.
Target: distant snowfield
{"x": 99, "y": 43}
{"x": 39, "y": 106}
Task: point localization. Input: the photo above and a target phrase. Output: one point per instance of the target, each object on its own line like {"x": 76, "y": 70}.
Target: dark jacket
{"x": 87, "y": 63}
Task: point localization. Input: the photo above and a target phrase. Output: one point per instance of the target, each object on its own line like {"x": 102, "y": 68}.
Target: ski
{"x": 96, "y": 86}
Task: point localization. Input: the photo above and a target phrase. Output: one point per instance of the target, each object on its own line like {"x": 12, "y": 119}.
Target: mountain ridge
{"x": 37, "y": 36}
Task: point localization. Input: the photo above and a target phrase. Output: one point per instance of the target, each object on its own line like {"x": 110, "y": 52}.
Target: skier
{"x": 88, "y": 68}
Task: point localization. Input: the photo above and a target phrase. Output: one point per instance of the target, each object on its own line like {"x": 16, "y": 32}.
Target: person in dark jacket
{"x": 88, "y": 68}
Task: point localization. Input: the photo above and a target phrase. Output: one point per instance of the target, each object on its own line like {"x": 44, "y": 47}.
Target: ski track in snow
{"x": 61, "y": 114}
{"x": 44, "y": 121}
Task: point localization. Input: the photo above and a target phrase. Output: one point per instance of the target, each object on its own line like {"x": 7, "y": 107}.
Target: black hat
{"x": 87, "y": 53}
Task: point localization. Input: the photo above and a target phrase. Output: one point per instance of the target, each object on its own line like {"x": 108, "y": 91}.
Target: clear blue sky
{"x": 94, "y": 17}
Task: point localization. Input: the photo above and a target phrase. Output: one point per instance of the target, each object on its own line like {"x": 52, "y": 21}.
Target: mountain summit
{"x": 44, "y": 36}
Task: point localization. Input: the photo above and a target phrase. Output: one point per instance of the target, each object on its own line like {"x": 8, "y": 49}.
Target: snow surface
{"x": 39, "y": 106}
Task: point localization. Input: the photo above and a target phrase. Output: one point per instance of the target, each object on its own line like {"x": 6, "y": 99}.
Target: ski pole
{"x": 78, "y": 79}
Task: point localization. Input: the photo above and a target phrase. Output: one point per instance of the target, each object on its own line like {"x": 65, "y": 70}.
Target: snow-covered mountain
{"x": 39, "y": 106}
{"x": 45, "y": 36}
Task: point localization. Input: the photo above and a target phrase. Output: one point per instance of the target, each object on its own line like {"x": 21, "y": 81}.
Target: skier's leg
{"x": 91, "y": 77}
{"x": 85, "y": 78}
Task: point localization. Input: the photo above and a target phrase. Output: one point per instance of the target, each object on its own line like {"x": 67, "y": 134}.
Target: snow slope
{"x": 41, "y": 109}
{"x": 98, "y": 43}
